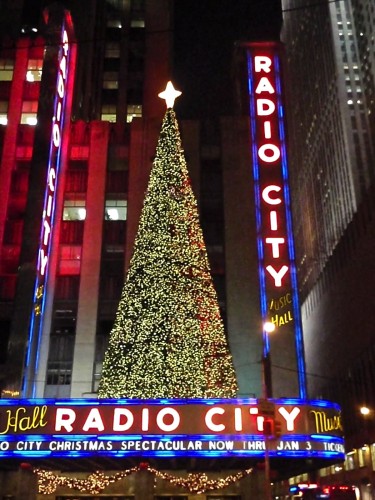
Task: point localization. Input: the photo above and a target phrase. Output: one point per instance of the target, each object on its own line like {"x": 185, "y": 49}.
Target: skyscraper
{"x": 330, "y": 68}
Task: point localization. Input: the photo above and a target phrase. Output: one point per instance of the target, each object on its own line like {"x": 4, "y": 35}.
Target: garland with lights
{"x": 168, "y": 338}
{"x": 95, "y": 483}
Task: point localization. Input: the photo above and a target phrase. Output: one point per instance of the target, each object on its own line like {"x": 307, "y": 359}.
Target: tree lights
{"x": 168, "y": 339}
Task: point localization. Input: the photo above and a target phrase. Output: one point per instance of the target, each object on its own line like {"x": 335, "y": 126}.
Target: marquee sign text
{"x": 166, "y": 427}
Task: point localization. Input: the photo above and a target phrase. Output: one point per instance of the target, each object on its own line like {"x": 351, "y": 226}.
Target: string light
{"x": 95, "y": 483}
{"x": 168, "y": 339}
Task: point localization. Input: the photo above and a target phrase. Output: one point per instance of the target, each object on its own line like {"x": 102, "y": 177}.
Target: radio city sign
{"x": 75, "y": 427}
{"x": 269, "y": 171}
{"x": 54, "y": 157}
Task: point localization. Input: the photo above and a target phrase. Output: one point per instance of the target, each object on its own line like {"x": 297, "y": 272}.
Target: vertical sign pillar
{"x": 279, "y": 301}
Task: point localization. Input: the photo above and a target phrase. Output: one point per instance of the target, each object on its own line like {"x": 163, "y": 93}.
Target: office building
{"x": 330, "y": 68}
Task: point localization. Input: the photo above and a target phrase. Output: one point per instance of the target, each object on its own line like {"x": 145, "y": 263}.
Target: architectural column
{"x": 90, "y": 269}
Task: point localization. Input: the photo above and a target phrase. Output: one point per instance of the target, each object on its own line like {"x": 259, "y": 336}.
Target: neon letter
{"x": 56, "y": 135}
{"x": 51, "y": 179}
{"x": 275, "y": 153}
{"x": 168, "y": 427}
{"x": 265, "y": 107}
{"x": 273, "y": 220}
{"x": 264, "y": 85}
{"x": 145, "y": 419}
{"x": 262, "y": 63}
{"x": 275, "y": 242}
{"x": 94, "y": 421}
{"x": 277, "y": 275}
{"x": 64, "y": 419}
{"x": 267, "y": 129}
{"x": 122, "y": 412}
{"x": 47, "y": 230}
{"x": 266, "y": 195}
{"x": 238, "y": 419}
{"x": 43, "y": 261}
{"x": 208, "y": 419}
{"x": 289, "y": 417}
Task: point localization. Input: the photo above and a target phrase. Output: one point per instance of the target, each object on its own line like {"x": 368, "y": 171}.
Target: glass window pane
{"x": 134, "y": 111}
{"x": 116, "y": 209}
{"x": 29, "y": 119}
{"x": 74, "y": 210}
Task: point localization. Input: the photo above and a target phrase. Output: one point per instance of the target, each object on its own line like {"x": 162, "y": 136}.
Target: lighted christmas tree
{"x": 168, "y": 338}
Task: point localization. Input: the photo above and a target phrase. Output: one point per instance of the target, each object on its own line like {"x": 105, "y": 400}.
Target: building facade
{"x": 65, "y": 250}
{"x": 330, "y": 66}
{"x": 118, "y": 62}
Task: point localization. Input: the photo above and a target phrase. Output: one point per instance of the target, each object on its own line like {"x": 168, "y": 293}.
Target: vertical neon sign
{"x": 48, "y": 213}
{"x": 276, "y": 260}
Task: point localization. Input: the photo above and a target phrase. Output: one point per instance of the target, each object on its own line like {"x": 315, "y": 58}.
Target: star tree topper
{"x": 169, "y": 94}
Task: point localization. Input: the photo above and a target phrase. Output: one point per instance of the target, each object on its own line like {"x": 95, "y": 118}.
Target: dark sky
{"x": 205, "y": 31}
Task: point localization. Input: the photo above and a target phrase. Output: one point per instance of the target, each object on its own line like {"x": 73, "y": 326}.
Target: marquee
{"x": 40, "y": 428}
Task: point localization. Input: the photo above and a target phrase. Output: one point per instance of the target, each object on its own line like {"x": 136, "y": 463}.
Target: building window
{"x": 6, "y": 70}
{"x": 13, "y": 232}
{"x": 60, "y": 358}
{"x": 114, "y": 235}
{"x": 20, "y": 180}
{"x": 349, "y": 463}
{"x": 112, "y": 50}
{"x": 8, "y": 287}
{"x": 117, "y": 181}
{"x": 361, "y": 457}
{"x": 34, "y": 70}
{"x": 111, "y": 287}
{"x": 134, "y": 111}
{"x": 110, "y": 80}
{"x": 116, "y": 209}
{"x": 4, "y": 112}
{"x": 108, "y": 113}
{"x": 76, "y": 181}
{"x": 114, "y": 23}
{"x": 29, "y": 111}
{"x": 70, "y": 260}
{"x": 67, "y": 288}
{"x": 74, "y": 210}
{"x": 137, "y": 23}
{"x": 72, "y": 232}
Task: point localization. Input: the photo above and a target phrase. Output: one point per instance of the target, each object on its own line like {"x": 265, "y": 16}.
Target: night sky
{"x": 205, "y": 31}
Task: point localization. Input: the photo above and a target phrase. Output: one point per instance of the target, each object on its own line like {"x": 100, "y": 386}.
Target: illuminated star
{"x": 170, "y": 94}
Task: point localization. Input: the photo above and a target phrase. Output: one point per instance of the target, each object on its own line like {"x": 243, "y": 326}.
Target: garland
{"x": 48, "y": 481}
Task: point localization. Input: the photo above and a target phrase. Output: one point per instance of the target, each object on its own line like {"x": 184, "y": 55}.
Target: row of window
{"x": 75, "y": 210}
{"x": 30, "y": 108}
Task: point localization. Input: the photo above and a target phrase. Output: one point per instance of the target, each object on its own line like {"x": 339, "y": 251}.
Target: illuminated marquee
{"x": 277, "y": 272}
{"x": 76, "y": 427}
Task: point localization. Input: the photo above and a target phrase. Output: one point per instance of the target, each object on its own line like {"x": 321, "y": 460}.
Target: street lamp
{"x": 365, "y": 411}
{"x": 268, "y": 327}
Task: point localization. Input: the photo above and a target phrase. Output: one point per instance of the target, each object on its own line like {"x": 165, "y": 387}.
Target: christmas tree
{"x": 168, "y": 338}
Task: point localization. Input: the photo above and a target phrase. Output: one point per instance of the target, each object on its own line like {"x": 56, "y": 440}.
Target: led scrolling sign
{"x": 277, "y": 273}
{"x": 121, "y": 428}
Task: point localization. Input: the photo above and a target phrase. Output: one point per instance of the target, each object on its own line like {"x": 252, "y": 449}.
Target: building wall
{"x": 330, "y": 72}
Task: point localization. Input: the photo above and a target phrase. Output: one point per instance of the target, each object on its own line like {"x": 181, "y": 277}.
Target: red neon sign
{"x": 54, "y": 157}
{"x": 269, "y": 155}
